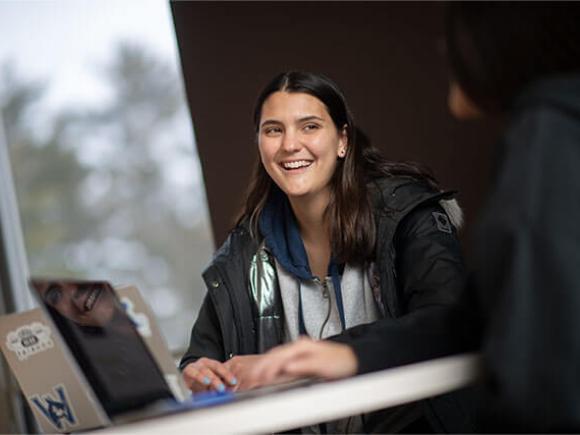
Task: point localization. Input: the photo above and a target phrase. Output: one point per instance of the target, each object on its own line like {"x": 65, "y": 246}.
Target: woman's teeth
{"x": 91, "y": 299}
{"x": 297, "y": 164}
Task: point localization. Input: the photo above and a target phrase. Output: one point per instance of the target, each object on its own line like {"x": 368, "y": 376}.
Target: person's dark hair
{"x": 496, "y": 49}
{"x": 349, "y": 211}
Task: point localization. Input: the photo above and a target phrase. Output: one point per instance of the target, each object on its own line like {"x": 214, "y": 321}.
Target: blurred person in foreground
{"x": 519, "y": 60}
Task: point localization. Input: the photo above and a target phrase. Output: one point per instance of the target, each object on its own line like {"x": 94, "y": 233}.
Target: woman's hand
{"x": 208, "y": 374}
{"x": 241, "y": 366}
{"x": 305, "y": 358}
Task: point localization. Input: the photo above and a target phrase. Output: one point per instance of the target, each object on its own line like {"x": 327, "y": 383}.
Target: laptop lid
{"x": 104, "y": 342}
{"x": 58, "y": 393}
{"x": 144, "y": 320}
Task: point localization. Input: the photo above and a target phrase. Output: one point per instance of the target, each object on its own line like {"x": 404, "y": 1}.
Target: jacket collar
{"x": 281, "y": 235}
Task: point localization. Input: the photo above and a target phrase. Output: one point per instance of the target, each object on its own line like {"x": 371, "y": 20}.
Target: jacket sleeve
{"x": 429, "y": 263}
{"x": 431, "y": 279}
{"x": 206, "y": 336}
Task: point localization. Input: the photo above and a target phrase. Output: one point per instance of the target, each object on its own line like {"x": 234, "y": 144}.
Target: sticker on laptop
{"x": 56, "y": 407}
{"x": 29, "y": 340}
{"x": 140, "y": 320}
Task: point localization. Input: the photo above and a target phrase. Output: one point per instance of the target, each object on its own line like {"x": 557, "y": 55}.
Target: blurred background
{"x": 102, "y": 149}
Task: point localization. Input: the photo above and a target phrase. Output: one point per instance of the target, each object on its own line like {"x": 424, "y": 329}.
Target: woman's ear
{"x": 343, "y": 142}
{"x": 460, "y": 105}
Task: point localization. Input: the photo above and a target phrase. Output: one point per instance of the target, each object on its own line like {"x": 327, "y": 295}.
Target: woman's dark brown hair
{"x": 350, "y": 215}
{"x": 497, "y": 48}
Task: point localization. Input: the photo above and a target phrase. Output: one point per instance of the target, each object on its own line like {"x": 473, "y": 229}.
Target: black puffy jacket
{"x": 418, "y": 259}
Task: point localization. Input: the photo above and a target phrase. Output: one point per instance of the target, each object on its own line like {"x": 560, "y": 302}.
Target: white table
{"x": 319, "y": 402}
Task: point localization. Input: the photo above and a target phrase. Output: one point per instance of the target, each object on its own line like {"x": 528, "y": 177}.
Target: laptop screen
{"x": 105, "y": 343}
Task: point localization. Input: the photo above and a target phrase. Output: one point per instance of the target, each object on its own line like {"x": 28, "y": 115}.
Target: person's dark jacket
{"x": 527, "y": 269}
{"x": 418, "y": 258}
{"x": 525, "y": 285}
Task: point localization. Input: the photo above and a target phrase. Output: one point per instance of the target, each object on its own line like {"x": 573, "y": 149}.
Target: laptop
{"x": 105, "y": 343}
{"x": 104, "y": 340}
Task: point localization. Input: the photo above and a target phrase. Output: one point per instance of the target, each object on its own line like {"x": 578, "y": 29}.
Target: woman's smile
{"x": 296, "y": 165}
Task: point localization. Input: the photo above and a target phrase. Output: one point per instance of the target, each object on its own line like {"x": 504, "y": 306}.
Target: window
{"x": 103, "y": 155}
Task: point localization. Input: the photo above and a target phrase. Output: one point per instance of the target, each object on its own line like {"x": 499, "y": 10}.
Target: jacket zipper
{"x": 326, "y": 295}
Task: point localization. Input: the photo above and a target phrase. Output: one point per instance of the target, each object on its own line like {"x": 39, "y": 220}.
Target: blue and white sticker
{"x": 140, "y": 320}
{"x": 28, "y": 340}
{"x": 56, "y": 407}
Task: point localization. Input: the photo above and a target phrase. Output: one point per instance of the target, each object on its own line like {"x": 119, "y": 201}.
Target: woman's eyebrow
{"x": 300, "y": 120}
{"x": 310, "y": 118}
{"x": 269, "y": 122}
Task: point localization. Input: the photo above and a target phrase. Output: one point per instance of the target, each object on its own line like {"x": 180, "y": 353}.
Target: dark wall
{"x": 387, "y": 58}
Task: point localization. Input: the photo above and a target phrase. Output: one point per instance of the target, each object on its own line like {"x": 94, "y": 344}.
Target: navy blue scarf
{"x": 282, "y": 237}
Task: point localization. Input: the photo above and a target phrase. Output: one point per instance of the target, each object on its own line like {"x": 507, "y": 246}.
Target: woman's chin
{"x": 297, "y": 193}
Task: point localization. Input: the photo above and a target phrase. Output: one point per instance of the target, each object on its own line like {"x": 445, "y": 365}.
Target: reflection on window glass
{"x": 105, "y": 165}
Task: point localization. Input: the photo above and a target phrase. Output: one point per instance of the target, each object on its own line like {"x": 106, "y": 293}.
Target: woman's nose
{"x": 78, "y": 303}
{"x": 78, "y": 297}
{"x": 291, "y": 142}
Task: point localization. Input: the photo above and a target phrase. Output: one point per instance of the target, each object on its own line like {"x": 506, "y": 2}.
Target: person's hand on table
{"x": 241, "y": 366}
{"x": 304, "y": 358}
{"x": 207, "y": 374}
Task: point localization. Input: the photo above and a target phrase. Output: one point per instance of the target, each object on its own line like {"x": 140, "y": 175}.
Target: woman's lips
{"x": 293, "y": 165}
{"x": 92, "y": 298}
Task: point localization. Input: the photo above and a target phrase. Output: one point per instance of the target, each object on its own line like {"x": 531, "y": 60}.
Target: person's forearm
{"x": 428, "y": 333}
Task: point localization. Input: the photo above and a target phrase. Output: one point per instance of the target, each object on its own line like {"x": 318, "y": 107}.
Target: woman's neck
{"x": 311, "y": 218}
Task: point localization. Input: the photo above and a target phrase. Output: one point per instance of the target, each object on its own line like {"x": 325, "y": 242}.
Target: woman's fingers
{"x": 220, "y": 371}
{"x": 207, "y": 374}
{"x": 305, "y": 358}
{"x": 195, "y": 381}
{"x": 212, "y": 379}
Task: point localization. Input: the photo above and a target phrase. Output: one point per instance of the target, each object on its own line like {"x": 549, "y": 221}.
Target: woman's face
{"x": 460, "y": 105}
{"x": 299, "y": 144}
{"x": 85, "y": 304}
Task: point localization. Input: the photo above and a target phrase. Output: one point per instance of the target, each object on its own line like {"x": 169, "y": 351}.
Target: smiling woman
{"x": 299, "y": 148}
{"x": 313, "y": 252}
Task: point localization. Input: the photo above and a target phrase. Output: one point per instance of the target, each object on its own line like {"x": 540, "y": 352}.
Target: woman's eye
{"x": 53, "y": 294}
{"x": 311, "y": 127}
{"x": 272, "y": 130}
